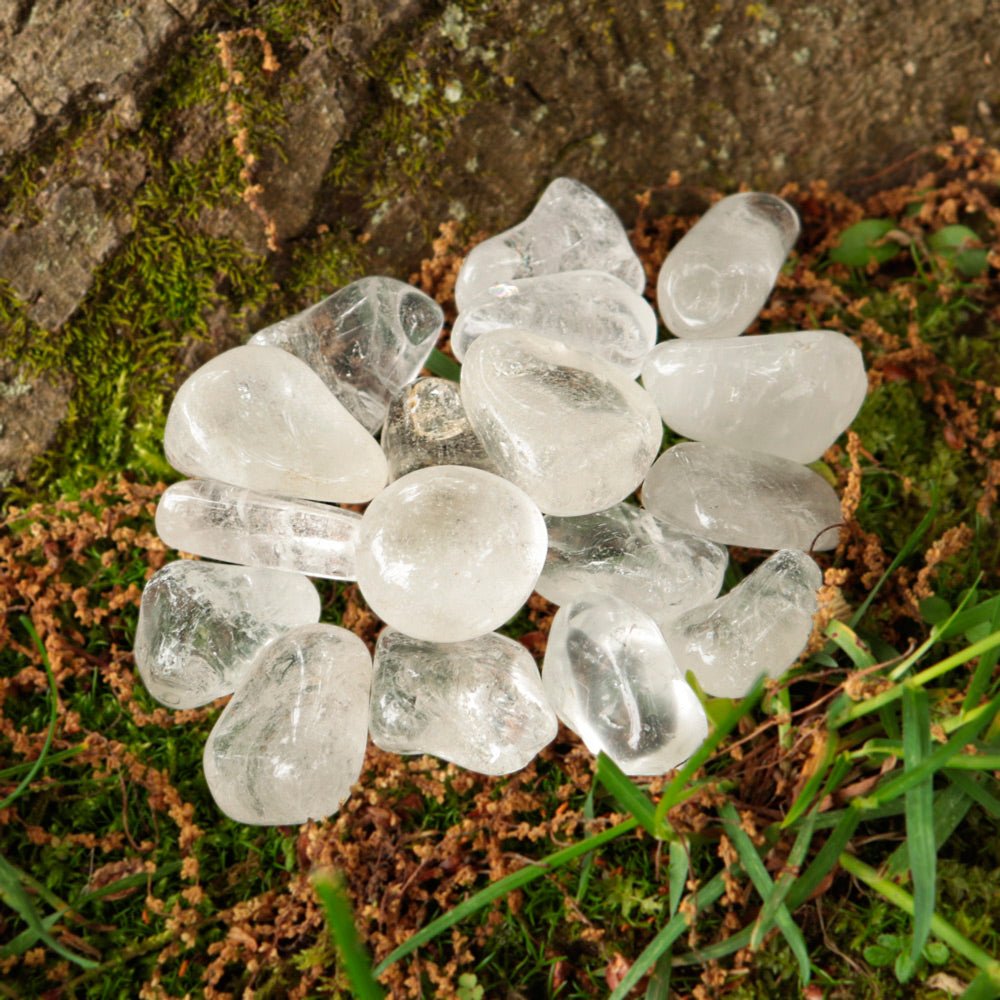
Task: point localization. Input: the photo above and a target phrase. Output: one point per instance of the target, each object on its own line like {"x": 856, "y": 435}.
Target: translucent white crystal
{"x": 478, "y": 703}
{"x": 590, "y": 311}
{"x": 787, "y": 394}
{"x": 448, "y": 553}
{"x": 224, "y": 522}
{"x": 201, "y": 625}
{"x": 575, "y": 433}
{"x": 742, "y": 498}
{"x": 365, "y": 342}
{"x": 626, "y": 552}
{"x": 290, "y": 744}
{"x": 569, "y": 229}
{"x": 759, "y": 627}
{"x": 259, "y": 417}
{"x": 611, "y": 678}
{"x": 426, "y": 425}
{"x": 714, "y": 282}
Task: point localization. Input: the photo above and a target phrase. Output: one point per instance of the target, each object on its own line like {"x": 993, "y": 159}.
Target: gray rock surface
{"x": 31, "y": 409}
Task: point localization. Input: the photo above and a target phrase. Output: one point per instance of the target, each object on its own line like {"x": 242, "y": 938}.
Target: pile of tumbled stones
{"x": 515, "y": 480}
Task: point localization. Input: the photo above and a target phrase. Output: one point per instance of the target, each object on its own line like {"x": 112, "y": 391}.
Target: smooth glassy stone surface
{"x": 589, "y": 311}
{"x": 259, "y": 417}
{"x": 626, "y": 552}
{"x": 201, "y": 625}
{"x": 569, "y": 229}
{"x": 290, "y": 744}
{"x": 787, "y": 394}
{"x": 219, "y": 521}
{"x": 479, "y": 703}
{"x": 612, "y": 679}
{"x": 742, "y": 498}
{"x": 760, "y": 627}
{"x": 449, "y": 553}
{"x": 717, "y": 278}
{"x": 365, "y": 342}
{"x": 572, "y": 431}
{"x": 426, "y": 425}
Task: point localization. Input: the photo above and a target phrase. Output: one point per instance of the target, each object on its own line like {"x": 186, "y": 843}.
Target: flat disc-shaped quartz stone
{"x": 787, "y": 394}
{"x": 290, "y": 744}
{"x": 575, "y": 433}
{"x": 611, "y": 678}
{"x": 569, "y": 229}
{"x": 626, "y": 552}
{"x": 260, "y": 418}
{"x": 717, "y": 278}
{"x": 760, "y": 627}
{"x": 253, "y": 529}
{"x": 449, "y": 553}
{"x": 365, "y": 342}
{"x": 478, "y": 703}
{"x": 426, "y": 425}
{"x": 742, "y": 498}
{"x": 590, "y": 311}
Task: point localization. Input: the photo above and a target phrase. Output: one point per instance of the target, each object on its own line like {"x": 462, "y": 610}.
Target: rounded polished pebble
{"x": 449, "y": 553}
{"x": 742, "y": 498}
{"x": 478, "y": 703}
{"x": 575, "y": 433}
{"x": 787, "y": 394}
{"x": 259, "y": 417}
{"x": 202, "y": 624}
{"x": 611, "y": 678}
{"x": 290, "y": 744}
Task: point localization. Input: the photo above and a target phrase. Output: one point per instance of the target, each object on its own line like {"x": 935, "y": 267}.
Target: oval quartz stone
{"x": 575, "y": 433}
{"x": 449, "y": 553}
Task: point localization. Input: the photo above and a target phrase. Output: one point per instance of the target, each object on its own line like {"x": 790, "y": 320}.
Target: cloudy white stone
{"x": 611, "y": 678}
{"x": 225, "y": 522}
{"x": 291, "y": 742}
{"x": 479, "y": 703}
{"x": 575, "y": 433}
{"x": 259, "y": 417}
{"x": 449, "y": 553}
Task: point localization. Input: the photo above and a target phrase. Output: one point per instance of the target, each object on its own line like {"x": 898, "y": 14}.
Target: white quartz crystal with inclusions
{"x": 448, "y": 553}
{"x": 259, "y": 417}
{"x": 201, "y": 625}
{"x": 742, "y": 498}
{"x": 478, "y": 703}
{"x": 714, "y": 282}
{"x": 290, "y": 744}
{"x": 569, "y": 229}
{"x": 575, "y": 433}
{"x": 626, "y": 552}
{"x": 239, "y": 526}
{"x": 759, "y": 627}
{"x": 426, "y": 425}
{"x": 590, "y": 311}
{"x": 787, "y": 394}
{"x": 611, "y": 678}
{"x": 365, "y": 341}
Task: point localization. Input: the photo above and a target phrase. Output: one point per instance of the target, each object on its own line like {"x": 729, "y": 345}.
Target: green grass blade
{"x": 587, "y": 865}
{"x": 984, "y": 671}
{"x": 823, "y": 863}
{"x": 843, "y": 637}
{"x": 950, "y": 807}
{"x": 974, "y": 789}
{"x": 985, "y": 986}
{"x": 340, "y": 918}
{"x": 805, "y": 798}
{"x": 441, "y": 365}
{"x": 785, "y": 881}
{"x": 659, "y": 980}
{"x": 680, "y": 864}
{"x": 626, "y": 794}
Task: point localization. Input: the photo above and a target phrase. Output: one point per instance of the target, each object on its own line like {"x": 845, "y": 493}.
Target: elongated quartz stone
{"x": 253, "y": 529}
{"x": 569, "y": 229}
{"x": 201, "y": 625}
{"x": 589, "y": 311}
{"x": 478, "y": 703}
{"x": 787, "y": 394}
{"x": 717, "y": 278}
{"x": 760, "y": 627}
{"x": 365, "y": 342}
{"x": 742, "y": 498}
{"x": 612, "y": 679}
{"x": 291, "y": 742}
